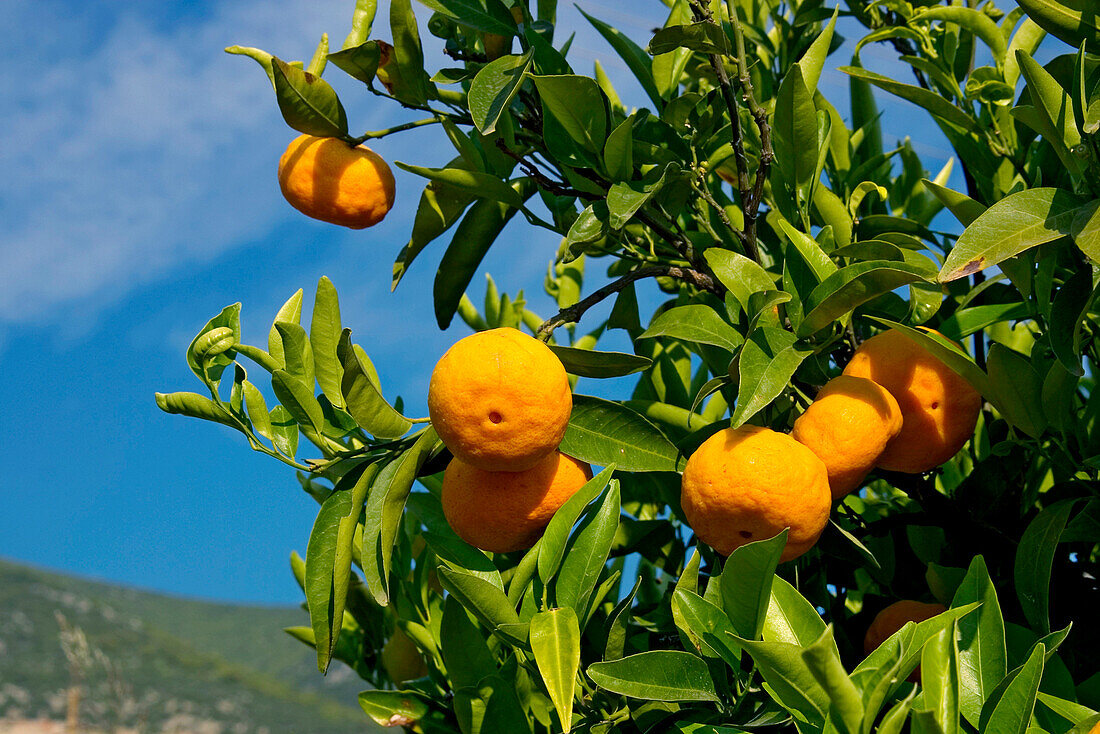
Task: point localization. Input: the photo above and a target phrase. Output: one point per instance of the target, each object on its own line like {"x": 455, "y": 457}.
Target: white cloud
{"x": 132, "y": 144}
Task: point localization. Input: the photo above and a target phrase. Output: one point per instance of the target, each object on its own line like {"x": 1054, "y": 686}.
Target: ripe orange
{"x": 939, "y": 408}
{"x": 848, "y": 426}
{"x": 893, "y": 618}
{"x": 327, "y": 179}
{"x": 500, "y": 400}
{"x": 746, "y": 484}
{"x": 508, "y": 511}
{"x": 401, "y": 658}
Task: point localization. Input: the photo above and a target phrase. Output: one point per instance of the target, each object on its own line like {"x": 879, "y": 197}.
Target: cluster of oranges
{"x": 895, "y": 407}
{"x": 500, "y": 400}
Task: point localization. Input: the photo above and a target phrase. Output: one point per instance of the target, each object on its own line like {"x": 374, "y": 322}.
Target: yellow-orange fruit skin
{"x": 939, "y": 408}
{"x": 328, "y": 180}
{"x": 747, "y": 484}
{"x": 500, "y": 400}
{"x": 893, "y": 618}
{"x": 848, "y": 426}
{"x": 508, "y": 511}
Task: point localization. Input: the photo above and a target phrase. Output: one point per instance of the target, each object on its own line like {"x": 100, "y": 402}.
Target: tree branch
{"x": 572, "y": 314}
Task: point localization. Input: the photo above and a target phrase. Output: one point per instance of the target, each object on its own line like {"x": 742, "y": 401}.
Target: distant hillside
{"x": 155, "y": 663}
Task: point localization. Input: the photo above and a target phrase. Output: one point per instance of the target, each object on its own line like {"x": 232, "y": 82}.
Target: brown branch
{"x": 572, "y": 314}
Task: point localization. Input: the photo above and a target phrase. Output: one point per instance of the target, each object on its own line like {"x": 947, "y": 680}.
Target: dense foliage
{"x": 784, "y": 230}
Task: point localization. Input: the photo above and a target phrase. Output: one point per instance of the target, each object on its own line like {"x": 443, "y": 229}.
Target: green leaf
{"x": 852, "y": 286}
{"x": 362, "y": 20}
{"x": 589, "y": 363}
{"x": 975, "y": 21}
{"x": 578, "y": 104}
{"x": 791, "y": 618}
{"x": 328, "y": 559}
{"x": 493, "y": 88}
{"x": 794, "y": 130}
{"x": 765, "y": 365}
{"x": 705, "y": 37}
{"x": 363, "y": 399}
{"x": 1016, "y": 223}
{"x": 481, "y": 185}
{"x": 387, "y": 707}
{"x": 618, "y": 151}
{"x": 1011, "y": 713}
{"x": 476, "y": 233}
{"x": 1068, "y": 314}
{"x": 359, "y": 61}
{"x": 637, "y": 60}
{"x": 936, "y": 105}
{"x": 491, "y": 706}
{"x": 708, "y": 627}
{"x": 556, "y": 644}
{"x": 813, "y": 61}
{"x": 746, "y": 583}
{"x": 554, "y": 539}
{"x": 486, "y": 602}
{"x": 694, "y": 323}
{"x": 811, "y": 252}
{"x": 939, "y": 675}
{"x": 324, "y": 335}
{"x": 439, "y": 208}
{"x": 307, "y": 102}
{"x": 1086, "y": 231}
{"x": 971, "y": 320}
{"x": 1018, "y": 389}
{"x": 658, "y": 675}
{"x": 289, "y": 313}
{"x": 1051, "y": 101}
{"x": 462, "y": 645}
{"x": 384, "y": 510}
{"x": 587, "y": 552}
{"x": 790, "y": 680}
{"x": 603, "y": 433}
{"x": 739, "y": 274}
{"x": 823, "y": 660}
{"x": 485, "y": 15}
{"x": 982, "y": 655}
{"x": 408, "y": 56}
{"x": 297, "y": 397}
{"x": 911, "y": 638}
{"x": 210, "y": 369}
{"x": 297, "y": 353}
{"x": 1034, "y": 559}
{"x": 195, "y": 406}
{"x": 263, "y": 58}
{"x": 950, "y": 354}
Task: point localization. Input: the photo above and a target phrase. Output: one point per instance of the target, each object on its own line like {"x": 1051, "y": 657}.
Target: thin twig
{"x": 572, "y": 314}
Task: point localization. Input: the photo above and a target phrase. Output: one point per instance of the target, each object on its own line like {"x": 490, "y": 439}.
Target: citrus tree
{"x": 921, "y": 553}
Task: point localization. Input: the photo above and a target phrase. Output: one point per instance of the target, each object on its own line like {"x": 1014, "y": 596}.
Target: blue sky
{"x": 138, "y": 197}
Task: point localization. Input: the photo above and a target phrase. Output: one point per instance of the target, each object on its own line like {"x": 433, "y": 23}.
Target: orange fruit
{"x": 893, "y": 618}
{"x": 401, "y": 658}
{"x": 500, "y": 400}
{"x": 329, "y": 180}
{"x": 508, "y": 511}
{"x": 939, "y": 409}
{"x": 747, "y": 484}
{"x": 848, "y": 426}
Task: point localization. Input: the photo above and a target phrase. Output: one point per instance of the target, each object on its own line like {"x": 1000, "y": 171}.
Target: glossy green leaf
{"x": 1034, "y": 559}
{"x": 482, "y": 185}
{"x": 462, "y": 645}
{"x": 618, "y": 151}
{"x": 704, "y": 37}
{"x": 1011, "y": 712}
{"x": 328, "y": 559}
{"x": 603, "y": 433}
{"x": 747, "y": 583}
{"x": 981, "y": 643}
{"x": 659, "y": 675}
{"x": 556, "y": 536}
{"x": 210, "y": 370}
{"x": 297, "y": 353}
{"x": 307, "y": 102}
{"x": 263, "y": 58}
{"x": 1016, "y": 223}
{"x": 289, "y": 313}
{"x": 1018, "y": 389}
{"x": 297, "y": 397}
{"x": 707, "y": 626}
{"x": 362, "y": 397}
{"x": 1068, "y": 314}
{"x": 912, "y": 638}
{"x": 939, "y": 671}
{"x": 490, "y": 16}
{"x": 474, "y": 236}
{"x": 794, "y": 130}
{"x": 491, "y": 706}
{"x": 739, "y": 274}
{"x": 324, "y": 336}
{"x": 493, "y": 89}
{"x": 791, "y": 618}
{"x": 1086, "y": 231}
{"x": 972, "y": 20}
{"x": 384, "y": 509}
{"x": 694, "y": 323}
{"x": 852, "y": 286}
{"x": 965, "y": 209}
{"x": 194, "y": 405}
{"x": 387, "y": 708}
{"x": 792, "y": 683}
{"x": 765, "y": 365}
{"x": 810, "y": 251}
{"x": 486, "y": 602}
{"x": 439, "y": 208}
{"x": 556, "y": 644}
{"x": 590, "y": 363}
{"x": 823, "y": 661}
{"x": 936, "y": 105}
{"x": 587, "y": 551}
{"x": 359, "y": 61}
{"x": 408, "y": 55}
{"x": 578, "y": 104}
{"x": 619, "y": 624}
{"x": 284, "y": 431}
